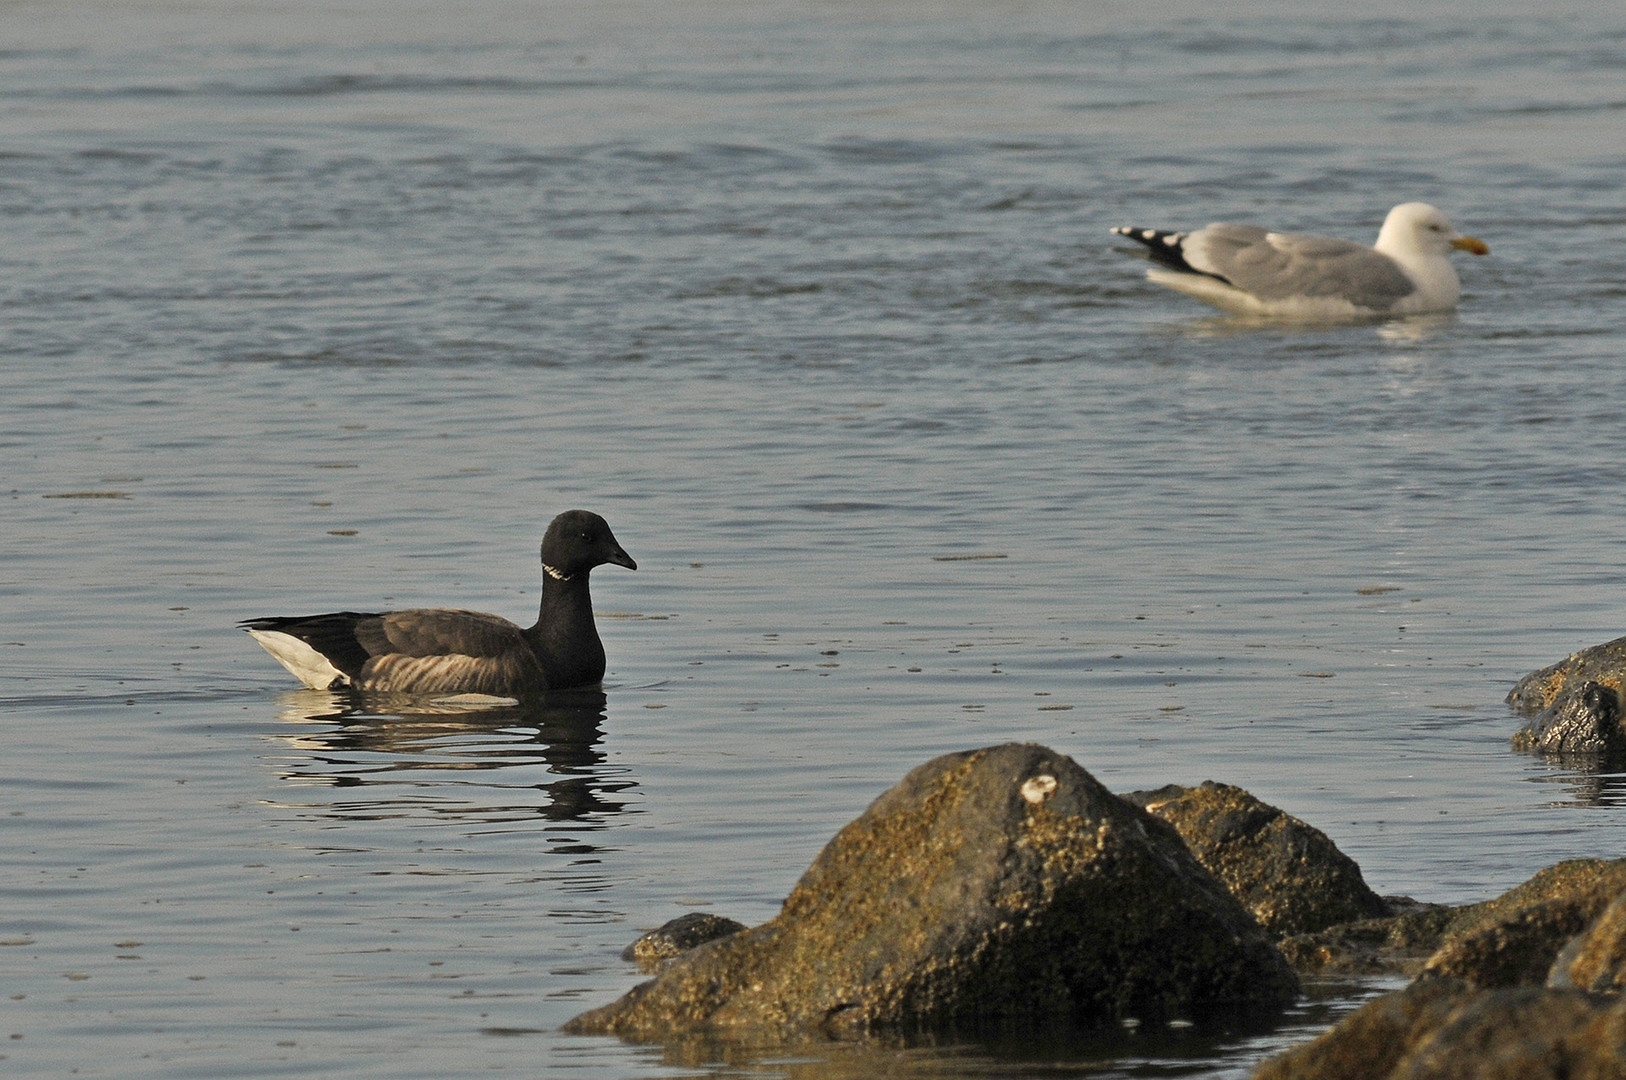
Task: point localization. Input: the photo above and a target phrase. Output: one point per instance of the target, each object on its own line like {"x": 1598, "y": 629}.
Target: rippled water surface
{"x": 305, "y": 308}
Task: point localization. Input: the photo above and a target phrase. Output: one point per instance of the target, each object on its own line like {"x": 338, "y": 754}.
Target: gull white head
{"x": 1420, "y": 240}
{"x": 1416, "y": 228}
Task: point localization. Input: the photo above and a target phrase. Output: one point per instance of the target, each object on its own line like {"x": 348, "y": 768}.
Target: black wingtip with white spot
{"x": 1162, "y": 246}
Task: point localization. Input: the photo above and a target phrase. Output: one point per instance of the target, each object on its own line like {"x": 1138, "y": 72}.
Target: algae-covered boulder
{"x": 996, "y": 887}
{"x": 1289, "y": 874}
{"x": 1370, "y": 1042}
{"x": 1523, "y": 986}
{"x": 1442, "y": 1029}
{"x": 1515, "y": 939}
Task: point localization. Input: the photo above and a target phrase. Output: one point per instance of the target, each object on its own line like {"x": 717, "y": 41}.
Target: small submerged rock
{"x": 678, "y": 936}
{"x": 997, "y": 887}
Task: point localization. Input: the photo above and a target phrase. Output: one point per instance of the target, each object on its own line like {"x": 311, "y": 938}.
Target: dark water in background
{"x": 303, "y": 308}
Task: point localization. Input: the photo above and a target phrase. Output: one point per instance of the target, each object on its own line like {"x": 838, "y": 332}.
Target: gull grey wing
{"x": 1280, "y": 266}
{"x": 439, "y": 632}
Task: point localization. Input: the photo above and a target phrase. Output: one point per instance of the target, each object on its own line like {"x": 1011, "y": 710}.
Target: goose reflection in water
{"x": 453, "y": 759}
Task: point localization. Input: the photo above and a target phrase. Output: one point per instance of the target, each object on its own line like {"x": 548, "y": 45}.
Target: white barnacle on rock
{"x": 1036, "y": 789}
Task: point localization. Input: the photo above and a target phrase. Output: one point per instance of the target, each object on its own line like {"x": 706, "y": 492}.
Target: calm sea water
{"x": 304, "y": 308}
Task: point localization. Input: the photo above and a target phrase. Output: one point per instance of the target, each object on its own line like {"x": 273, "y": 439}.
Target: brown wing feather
{"x": 438, "y": 631}
{"x": 430, "y": 650}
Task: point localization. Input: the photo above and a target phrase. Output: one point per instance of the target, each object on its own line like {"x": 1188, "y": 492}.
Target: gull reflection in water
{"x": 1411, "y": 328}
{"x": 463, "y": 759}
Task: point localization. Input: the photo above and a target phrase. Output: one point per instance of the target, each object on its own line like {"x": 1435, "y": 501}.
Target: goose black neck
{"x": 565, "y": 637}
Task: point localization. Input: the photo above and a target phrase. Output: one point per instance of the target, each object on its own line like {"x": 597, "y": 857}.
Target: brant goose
{"x": 1253, "y": 271}
{"x": 440, "y": 651}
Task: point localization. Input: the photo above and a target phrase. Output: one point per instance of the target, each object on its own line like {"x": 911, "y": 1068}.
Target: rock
{"x": 1582, "y": 720}
{"x": 1289, "y": 874}
{"x": 1370, "y": 1042}
{"x": 1518, "y": 950}
{"x": 1398, "y": 943}
{"x": 1515, "y": 939}
{"x": 1442, "y": 1029}
{"x": 996, "y": 887}
{"x": 1595, "y": 960}
{"x": 1603, "y": 664}
{"x": 676, "y": 936}
{"x": 1523, "y": 986}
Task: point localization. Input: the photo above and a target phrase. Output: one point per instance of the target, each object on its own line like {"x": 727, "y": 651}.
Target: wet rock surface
{"x": 998, "y": 887}
{"x": 1585, "y": 720}
{"x": 1540, "y": 690}
{"x": 1289, "y": 874}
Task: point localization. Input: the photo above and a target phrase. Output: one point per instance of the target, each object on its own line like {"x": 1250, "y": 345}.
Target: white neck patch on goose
{"x": 555, "y": 574}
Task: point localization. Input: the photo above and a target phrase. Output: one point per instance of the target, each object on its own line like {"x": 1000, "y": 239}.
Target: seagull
{"x": 445, "y": 651}
{"x": 1252, "y": 271}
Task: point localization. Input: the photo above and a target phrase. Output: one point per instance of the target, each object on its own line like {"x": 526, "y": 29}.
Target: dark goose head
{"x": 577, "y": 541}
